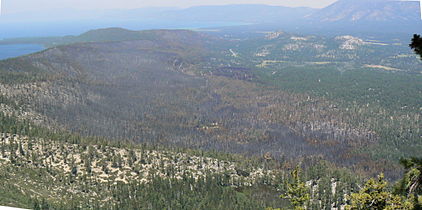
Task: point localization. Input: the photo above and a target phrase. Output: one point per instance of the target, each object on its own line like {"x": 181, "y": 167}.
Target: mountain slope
{"x": 369, "y": 11}
{"x": 281, "y": 98}
{"x": 283, "y": 95}
{"x": 368, "y": 17}
{"x": 161, "y": 90}
{"x": 58, "y": 172}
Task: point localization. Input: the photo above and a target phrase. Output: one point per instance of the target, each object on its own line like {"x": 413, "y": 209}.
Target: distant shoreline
{"x": 15, "y": 50}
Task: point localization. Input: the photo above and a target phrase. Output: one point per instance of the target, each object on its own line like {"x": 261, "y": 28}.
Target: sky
{"x": 14, "y": 6}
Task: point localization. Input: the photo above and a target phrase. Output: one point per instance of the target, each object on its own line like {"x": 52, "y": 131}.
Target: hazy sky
{"x": 11, "y": 6}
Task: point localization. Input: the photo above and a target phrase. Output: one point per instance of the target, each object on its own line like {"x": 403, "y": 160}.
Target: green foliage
{"x": 207, "y": 192}
{"x": 20, "y": 71}
{"x": 393, "y": 91}
{"x": 411, "y": 183}
{"x": 297, "y": 192}
{"x": 379, "y": 101}
{"x": 375, "y": 196}
{"x": 34, "y": 162}
{"x": 375, "y": 98}
{"x": 181, "y": 194}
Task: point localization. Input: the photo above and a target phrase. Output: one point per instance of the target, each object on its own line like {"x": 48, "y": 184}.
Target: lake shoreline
{"x": 8, "y": 51}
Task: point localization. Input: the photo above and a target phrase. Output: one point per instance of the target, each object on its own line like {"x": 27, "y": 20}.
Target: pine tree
{"x": 297, "y": 192}
{"x": 374, "y": 196}
{"x": 416, "y": 44}
{"x": 411, "y": 184}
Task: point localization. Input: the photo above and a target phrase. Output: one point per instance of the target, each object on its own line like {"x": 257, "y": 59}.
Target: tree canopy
{"x": 416, "y": 44}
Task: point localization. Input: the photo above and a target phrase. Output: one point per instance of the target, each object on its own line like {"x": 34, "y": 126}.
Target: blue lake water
{"x": 15, "y": 50}
{"x": 45, "y": 29}
{"x": 63, "y": 28}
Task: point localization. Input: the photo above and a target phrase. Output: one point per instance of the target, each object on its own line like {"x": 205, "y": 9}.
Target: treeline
{"x": 376, "y": 193}
{"x": 188, "y": 193}
{"x": 67, "y": 174}
{"x": 33, "y": 167}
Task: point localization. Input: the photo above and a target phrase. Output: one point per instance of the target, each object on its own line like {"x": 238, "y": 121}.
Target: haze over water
{"x": 15, "y": 50}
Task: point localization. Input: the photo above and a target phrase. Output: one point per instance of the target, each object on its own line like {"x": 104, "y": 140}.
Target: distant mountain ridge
{"x": 364, "y": 10}
{"x": 343, "y": 16}
{"x": 249, "y": 13}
